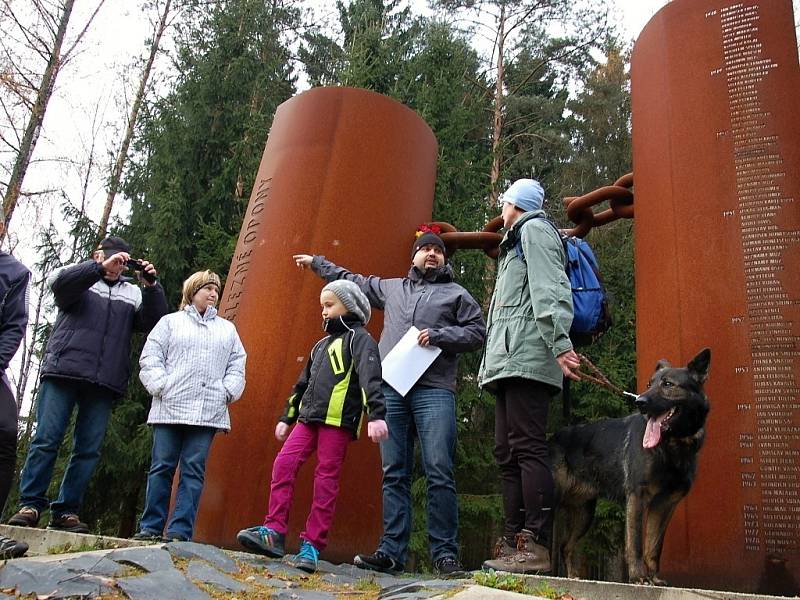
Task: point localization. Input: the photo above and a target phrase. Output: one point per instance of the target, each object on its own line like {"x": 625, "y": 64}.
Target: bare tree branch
{"x": 36, "y": 118}
{"x": 122, "y": 154}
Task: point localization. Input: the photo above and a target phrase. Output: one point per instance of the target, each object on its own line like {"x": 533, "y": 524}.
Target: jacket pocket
{"x": 60, "y": 343}
{"x": 169, "y": 383}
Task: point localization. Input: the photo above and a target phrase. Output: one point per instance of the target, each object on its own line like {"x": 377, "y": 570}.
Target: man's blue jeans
{"x": 430, "y": 414}
{"x": 56, "y": 400}
{"x": 189, "y": 445}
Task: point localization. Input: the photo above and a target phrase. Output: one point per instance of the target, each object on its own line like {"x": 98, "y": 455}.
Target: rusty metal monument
{"x": 716, "y": 157}
{"x": 716, "y": 153}
{"x": 340, "y": 165}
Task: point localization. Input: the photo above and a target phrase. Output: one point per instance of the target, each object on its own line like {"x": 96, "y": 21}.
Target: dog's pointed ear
{"x": 663, "y": 364}
{"x": 699, "y": 365}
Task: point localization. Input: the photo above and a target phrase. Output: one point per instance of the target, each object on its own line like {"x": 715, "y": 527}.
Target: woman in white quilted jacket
{"x": 193, "y": 366}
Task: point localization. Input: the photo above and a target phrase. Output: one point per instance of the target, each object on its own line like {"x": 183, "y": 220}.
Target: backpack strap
{"x": 564, "y": 241}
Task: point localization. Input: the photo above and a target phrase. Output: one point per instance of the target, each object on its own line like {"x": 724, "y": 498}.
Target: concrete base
{"x": 50, "y": 541}
{"x": 607, "y": 590}
{"x": 52, "y": 545}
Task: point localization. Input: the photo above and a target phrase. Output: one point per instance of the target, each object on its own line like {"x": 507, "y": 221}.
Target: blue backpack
{"x": 591, "y": 314}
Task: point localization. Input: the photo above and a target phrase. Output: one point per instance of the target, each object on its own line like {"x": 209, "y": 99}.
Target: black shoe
{"x": 146, "y": 536}
{"x": 448, "y": 567}
{"x": 378, "y": 561}
{"x": 68, "y": 522}
{"x": 11, "y": 548}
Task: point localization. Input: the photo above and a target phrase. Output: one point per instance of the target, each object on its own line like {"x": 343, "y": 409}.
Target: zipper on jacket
{"x": 105, "y": 332}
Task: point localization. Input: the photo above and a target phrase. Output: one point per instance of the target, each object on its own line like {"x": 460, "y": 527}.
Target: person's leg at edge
{"x": 332, "y": 446}
{"x": 434, "y": 414}
{"x": 194, "y": 452}
{"x": 510, "y": 474}
{"x": 94, "y": 409}
{"x": 527, "y": 406}
{"x": 55, "y": 401}
{"x": 8, "y": 439}
{"x": 9, "y": 548}
{"x": 297, "y": 448}
{"x": 167, "y": 443}
{"x": 397, "y": 458}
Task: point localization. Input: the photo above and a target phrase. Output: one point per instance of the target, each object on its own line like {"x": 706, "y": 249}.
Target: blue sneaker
{"x": 306, "y": 560}
{"x": 263, "y": 540}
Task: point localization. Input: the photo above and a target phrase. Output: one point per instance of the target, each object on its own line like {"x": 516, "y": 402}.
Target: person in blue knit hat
{"x": 528, "y": 353}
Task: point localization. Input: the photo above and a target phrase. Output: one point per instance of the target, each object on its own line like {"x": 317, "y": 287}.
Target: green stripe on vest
{"x": 291, "y": 413}
{"x": 338, "y": 396}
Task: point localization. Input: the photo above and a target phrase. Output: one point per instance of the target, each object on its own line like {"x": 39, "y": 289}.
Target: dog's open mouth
{"x": 655, "y": 426}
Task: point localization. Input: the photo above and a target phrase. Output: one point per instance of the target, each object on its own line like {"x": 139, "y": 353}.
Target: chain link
{"x": 619, "y": 196}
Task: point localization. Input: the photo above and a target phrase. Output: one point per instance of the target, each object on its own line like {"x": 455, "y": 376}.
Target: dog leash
{"x": 597, "y": 377}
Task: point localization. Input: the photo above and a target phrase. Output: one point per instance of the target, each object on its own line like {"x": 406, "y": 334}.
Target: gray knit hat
{"x": 352, "y": 297}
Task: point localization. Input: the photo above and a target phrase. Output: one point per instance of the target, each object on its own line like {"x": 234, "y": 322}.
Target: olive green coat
{"x": 531, "y": 310}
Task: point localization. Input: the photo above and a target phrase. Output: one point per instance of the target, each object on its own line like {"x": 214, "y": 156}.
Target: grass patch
{"x": 98, "y": 544}
{"x": 513, "y": 583}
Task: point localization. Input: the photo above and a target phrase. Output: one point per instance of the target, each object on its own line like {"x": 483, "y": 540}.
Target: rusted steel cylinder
{"x": 716, "y": 153}
{"x": 349, "y": 174}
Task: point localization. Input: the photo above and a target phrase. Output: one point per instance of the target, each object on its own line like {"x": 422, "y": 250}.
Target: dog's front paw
{"x": 638, "y": 576}
{"x": 656, "y": 580}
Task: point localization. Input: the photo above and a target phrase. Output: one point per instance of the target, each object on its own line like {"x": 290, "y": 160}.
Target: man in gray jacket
{"x": 528, "y": 352}
{"x": 448, "y": 317}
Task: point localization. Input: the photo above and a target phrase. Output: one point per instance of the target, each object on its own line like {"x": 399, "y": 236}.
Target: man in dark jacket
{"x": 86, "y": 363}
{"x": 14, "y": 281}
{"x": 449, "y": 318}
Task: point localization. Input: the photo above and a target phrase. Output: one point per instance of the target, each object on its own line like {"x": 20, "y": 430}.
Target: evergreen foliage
{"x": 197, "y": 153}
{"x": 198, "y": 148}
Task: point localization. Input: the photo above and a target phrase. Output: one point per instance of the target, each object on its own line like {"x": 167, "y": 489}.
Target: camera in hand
{"x": 137, "y": 265}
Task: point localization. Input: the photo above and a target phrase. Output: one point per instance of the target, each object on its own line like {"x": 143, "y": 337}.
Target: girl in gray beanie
{"x": 352, "y": 297}
{"x": 345, "y": 362}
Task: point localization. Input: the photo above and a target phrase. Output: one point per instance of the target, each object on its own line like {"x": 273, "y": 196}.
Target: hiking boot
{"x": 503, "y": 548}
{"x": 262, "y": 539}
{"x": 378, "y": 561}
{"x": 528, "y": 557}
{"x": 146, "y": 536}
{"x": 448, "y": 568}
{"x": 305, "y": 560}
{"x": 11, "y": 548}
{"x": 68, "y": 522}
{"x": 26, "y": 517}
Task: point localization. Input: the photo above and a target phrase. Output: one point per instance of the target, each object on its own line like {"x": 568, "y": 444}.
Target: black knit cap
{"x": 111, "y": 245}
{"x": 427, "y": 238}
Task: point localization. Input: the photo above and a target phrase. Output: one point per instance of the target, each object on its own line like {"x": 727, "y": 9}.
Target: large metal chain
{"x": 579, "y": 210}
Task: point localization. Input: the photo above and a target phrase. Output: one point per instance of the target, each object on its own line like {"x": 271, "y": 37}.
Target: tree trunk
{"x": 497, "y": 121}
{"x": 34, "y": 126}
{"x": 497, "y": 154}
{"x": 29, "y": 351}
{"x": 122, "y": 155}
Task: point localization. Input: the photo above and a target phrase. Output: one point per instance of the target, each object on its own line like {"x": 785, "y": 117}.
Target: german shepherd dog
{"x": 647, "y": 461}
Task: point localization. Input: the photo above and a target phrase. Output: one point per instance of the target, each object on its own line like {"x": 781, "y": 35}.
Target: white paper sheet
{"x": 407, "y": 361}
